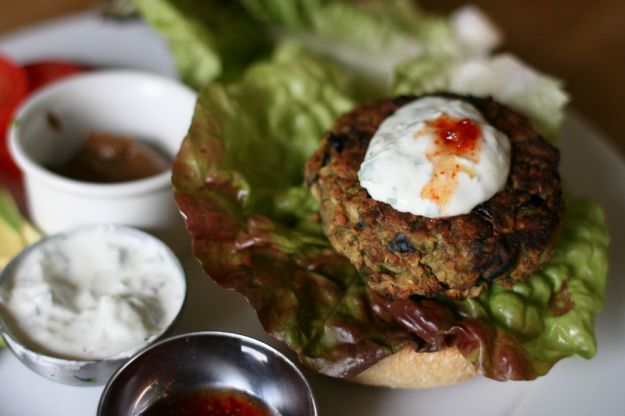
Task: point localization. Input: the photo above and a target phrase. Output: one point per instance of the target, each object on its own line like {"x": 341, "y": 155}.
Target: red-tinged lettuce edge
{"x": 306, "y": 294}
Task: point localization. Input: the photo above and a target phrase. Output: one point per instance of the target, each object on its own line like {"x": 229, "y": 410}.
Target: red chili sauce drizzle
{"x": 213, "y": 402}
{"x": 461, "y": 135}
{"x": 454, "y": 137}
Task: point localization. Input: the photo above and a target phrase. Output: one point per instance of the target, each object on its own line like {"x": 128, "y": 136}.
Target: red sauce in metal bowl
{"x": 213, "y": 402}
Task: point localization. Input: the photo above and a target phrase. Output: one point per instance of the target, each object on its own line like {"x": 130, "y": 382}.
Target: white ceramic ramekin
{"x": 51, "y": 124}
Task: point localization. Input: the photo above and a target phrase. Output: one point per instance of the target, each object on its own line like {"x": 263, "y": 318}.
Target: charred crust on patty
{"x": 401, "y": 243}
{"x": 502, "y": 240}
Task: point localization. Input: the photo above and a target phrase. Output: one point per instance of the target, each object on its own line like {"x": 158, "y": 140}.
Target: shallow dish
{"x": 204, "y": 361}
{"x": 51, "y": 125}
{"x": 574, "y": 388}
{"x": 74, "y": 334}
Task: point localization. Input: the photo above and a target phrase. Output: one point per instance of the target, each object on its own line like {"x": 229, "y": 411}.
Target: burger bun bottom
{"x": 409, "y": 369}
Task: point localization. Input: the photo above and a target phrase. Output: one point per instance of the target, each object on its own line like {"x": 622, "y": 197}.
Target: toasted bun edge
{"x": 409, "y": 369}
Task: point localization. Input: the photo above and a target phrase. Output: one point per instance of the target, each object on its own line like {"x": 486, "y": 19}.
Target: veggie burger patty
{"x": 501, "y": 240}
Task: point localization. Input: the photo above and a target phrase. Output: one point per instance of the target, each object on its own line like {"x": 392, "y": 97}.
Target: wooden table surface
{"x": 580, "y": 42}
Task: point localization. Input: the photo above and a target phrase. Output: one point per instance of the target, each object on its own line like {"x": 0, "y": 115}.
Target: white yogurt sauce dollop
{"x": 93, "y": 294}
{"x": 411, "y": 165}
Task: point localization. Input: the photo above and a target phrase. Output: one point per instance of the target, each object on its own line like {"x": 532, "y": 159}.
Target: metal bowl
{"x": 80, "y": 372}
{"x": 203, "y": 361}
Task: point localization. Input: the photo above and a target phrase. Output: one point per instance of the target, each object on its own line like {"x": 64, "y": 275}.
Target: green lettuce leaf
{"x": 208, "y": 39}
{"x": 551, "y": 313}
{"x": 372, "y": 37}
{"x": 237, "y": 179}
{"x": 273, "y": 120}
{"x": 217, "y": 40}
{"x": 539, "y": 97}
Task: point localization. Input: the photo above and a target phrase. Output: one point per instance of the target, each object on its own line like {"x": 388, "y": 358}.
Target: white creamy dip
{"x": 415, "y": 164}
{"x": 94, "y": 293}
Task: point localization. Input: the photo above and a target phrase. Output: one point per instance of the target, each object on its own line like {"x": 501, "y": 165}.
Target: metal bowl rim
{"x": 220, "y": 334}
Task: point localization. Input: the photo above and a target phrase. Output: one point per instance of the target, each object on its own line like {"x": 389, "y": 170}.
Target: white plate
{"x": 575, "y": 387}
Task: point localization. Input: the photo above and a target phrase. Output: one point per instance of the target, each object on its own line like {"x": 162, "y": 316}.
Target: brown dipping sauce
{"x": 213, "y": 402}
{"x": 105, "y": 158}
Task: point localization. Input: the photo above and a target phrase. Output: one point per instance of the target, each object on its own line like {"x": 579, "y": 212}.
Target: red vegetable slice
{"x": 44, "y": 72}
{"x": 13, "y": 89}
